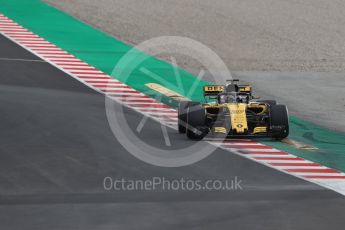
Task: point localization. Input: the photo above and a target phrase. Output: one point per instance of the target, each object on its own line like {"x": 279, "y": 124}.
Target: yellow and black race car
{"x": 233, "y": 112}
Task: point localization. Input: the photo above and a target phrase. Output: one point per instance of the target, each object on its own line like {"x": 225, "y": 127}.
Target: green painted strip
{"x": 331, "y": 145}
{"x": 104, "y": 52}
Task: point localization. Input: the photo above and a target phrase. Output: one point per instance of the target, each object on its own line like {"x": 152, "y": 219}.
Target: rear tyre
{"x": 196, "y": 122}
{"x": 182, "y": 115}
{"x": 279, "y": 121}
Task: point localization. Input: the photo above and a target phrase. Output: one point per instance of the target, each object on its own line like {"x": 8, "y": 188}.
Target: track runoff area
{"x": 131, "y": 98}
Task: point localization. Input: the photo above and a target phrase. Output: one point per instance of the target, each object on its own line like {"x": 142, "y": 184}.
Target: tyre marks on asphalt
{"x": 129, "y": 97}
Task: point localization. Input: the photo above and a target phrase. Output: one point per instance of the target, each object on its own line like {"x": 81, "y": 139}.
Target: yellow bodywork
{"x": 238, "y": 117}
{"x": 214, "y": 88}
{"x": 246, "y": 88}
{"x": 219, "y": 130}
{"x": 261, "y": 108}
{"x": 260, "y": 129}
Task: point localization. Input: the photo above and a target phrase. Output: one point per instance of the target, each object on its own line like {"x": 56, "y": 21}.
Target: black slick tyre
{"x": 279, "y": 121}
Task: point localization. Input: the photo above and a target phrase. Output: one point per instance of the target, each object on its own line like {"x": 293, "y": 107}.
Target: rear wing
{"x": 242, "y": 88}
{"x": 213, "y": 90}
{"x": 245, "y": 88}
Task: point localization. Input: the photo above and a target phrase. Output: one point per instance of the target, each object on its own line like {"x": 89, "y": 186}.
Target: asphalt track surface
{"x": 56, "y": 148}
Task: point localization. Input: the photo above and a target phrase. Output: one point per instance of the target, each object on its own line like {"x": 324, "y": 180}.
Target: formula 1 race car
{"x": 234, "y": 112}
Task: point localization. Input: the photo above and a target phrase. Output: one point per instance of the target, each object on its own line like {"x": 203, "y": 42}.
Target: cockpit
{"x": 233, "y": 97}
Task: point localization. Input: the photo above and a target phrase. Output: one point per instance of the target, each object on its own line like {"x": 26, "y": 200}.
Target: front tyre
{"x": 196, "y": 122}
{"x": 279, "y": 121}
{"x": 182, "y": 115}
